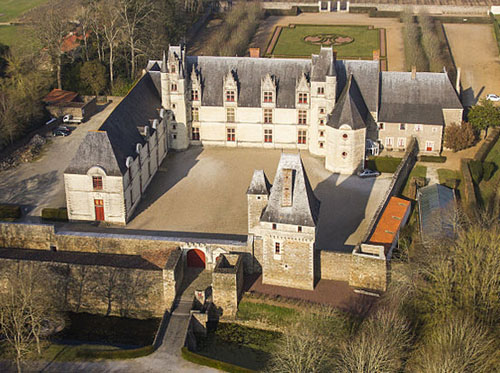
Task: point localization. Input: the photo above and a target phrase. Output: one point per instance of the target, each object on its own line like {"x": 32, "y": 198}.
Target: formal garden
{"x": 350, "y": 42}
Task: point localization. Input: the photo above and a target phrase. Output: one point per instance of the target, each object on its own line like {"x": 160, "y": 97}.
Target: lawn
{"x": 418, "y": 171}
{"x": 292, "y": 43}
{"x": 15, "y": 35}
{"x": 269, "y": 314}
{"x": 488, "y": 188}
{"x": 11, "y": 9}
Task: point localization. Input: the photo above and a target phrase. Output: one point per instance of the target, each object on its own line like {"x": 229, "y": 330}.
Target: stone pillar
{"x": 329, "y": 9}
{"x": 319, "y": 6}
{"x": 338, "y": 6}
{"x": 347, "y": 7}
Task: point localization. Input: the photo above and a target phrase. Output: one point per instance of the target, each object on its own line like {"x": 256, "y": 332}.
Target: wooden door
{"x": 99, "y": 209}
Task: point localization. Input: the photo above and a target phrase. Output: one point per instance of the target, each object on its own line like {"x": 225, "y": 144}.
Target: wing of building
{"x": 329, "y": 107}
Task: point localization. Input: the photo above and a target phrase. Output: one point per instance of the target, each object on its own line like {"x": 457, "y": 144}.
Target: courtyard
{"x": 204, "y": 190}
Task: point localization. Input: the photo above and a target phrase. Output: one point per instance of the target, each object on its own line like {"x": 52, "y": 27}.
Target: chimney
{"x": 376, "y": 55}
{"x": 254, "y": 52}
{"x": 457, "y": 86}
{"x": 413, "y": 72}
{"x": 334, "y": 56}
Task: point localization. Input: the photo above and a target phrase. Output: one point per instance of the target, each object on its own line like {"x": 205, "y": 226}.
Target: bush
{"x": 308, "y": 9}
{"x": 459, "y": 137}
{"x": 383, "y": 164}
{"x": 489, "y": 169}
{"x": 361, "y": 9}
{"x": 414, "y": 53}
{"x": 116, "y": 354}
{"x": 374, "y": 13}
{"x": 432, "y": 158}
{"x": 206, "y": 361}
{"x": 55, "y": 214}
{"x": 10, "y": 212}
{"x": 476, "y": 171}
{"x": 496, "y": 28}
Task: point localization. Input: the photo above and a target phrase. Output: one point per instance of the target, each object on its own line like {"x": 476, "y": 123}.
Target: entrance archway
{"x": 196, "y": 258}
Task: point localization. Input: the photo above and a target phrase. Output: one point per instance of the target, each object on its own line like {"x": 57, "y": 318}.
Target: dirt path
{"x": 395, "y": 50}
{"x": 475, "y": 51}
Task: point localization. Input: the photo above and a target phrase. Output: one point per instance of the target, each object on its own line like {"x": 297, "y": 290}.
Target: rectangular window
{"x": 429, "y": 146}
{"x": 268, "y": 96}
{"x": 173, "y": 87}
{"x": 230, "y": 115}
{"x": 302, "y": 117}
{"x": 268, "y": 135}
{"x": 402, "y": 142}
{"x": 381, "y": 126}
{"x": 302, "y": 98}
{"x": 195, "y": 133}
{"x": 268, "y": 115}
{"x": 274, "y": 227}
{"x": 277, "y": 248}
{"x": 230, "y": 96}
{"x": 418, "y": 127}
{"x": 321, "y": 122}
{"x": 389, "y": 142}
{"x": 321, "y": 144}
{"x": 302, "y": 137}
{"x": 194, "y": 95}
{"x": 231, "y": 134}
{"x": 97, "y": 182}
{"x": 299, "y": 229}
{"x": 402, "y": 127}
{"x": 322, "y": 110}
{"x": 321, "y": 90}
{"x": 195, "y": 114}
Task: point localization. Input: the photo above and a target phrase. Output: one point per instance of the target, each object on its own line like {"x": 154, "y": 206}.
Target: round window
{"x": 344, "y": 154}
{"x": 344, "y": 136}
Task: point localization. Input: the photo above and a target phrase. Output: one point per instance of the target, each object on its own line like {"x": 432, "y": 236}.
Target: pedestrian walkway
{"x": 432, "y": 175}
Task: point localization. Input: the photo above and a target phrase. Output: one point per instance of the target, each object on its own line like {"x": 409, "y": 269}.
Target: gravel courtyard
{"x": 204, "y": 190}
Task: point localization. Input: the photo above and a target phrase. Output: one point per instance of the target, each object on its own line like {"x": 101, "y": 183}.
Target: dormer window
{"x": 172, "y": 69}
{"x": 173, "y": 87}
{"x": 230, "y": 96}
{"x": 194, "y": 95}
{"x": 302, "y": 98}
{"x": 97, "y": 182}
{"x": 268, "y": 96}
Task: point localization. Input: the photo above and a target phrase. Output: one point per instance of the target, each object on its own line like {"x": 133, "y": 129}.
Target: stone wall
{"x": 173, "y": 273}
{"x": 227, "y": 284}
{"x": 335, "y": 265}
{"x": 28, "y": 236}
{"x": 120, "y": 285}
{"x": 368, "y": 271}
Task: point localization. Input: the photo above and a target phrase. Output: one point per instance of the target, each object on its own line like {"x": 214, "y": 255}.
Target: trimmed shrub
{"x": 55, "y": 214}
{"x": 10, "y": 212}
{"x": 432, "y": 158}
{"x": 308, "y": 9}
{"x": 374, "y": 13}
{"x": 451, "y": 19}
{"x": 383, "y": 164}
{"x": 496, "y": 28}
{"x": 488, "y": 170}
{"x": 476, "y": 171}
{"x": 414, "y": 53}
{"x": 206, "y": 361}
{"x": 361, "y": 9}
{"x": 116, "y": 354}
{"x": 282, "y": 12}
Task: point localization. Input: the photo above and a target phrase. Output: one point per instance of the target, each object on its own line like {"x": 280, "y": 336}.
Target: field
{"x": 12, "y": 35}
{"x": 348, "y": 41}
{"x": 11, "y": 9}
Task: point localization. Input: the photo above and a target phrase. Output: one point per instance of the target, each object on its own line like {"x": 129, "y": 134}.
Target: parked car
{"x": 68, "y": 118}
{"x": 368, "y": 173}
{"x": 493, "y": 97}
{"x": 61, "y": 131}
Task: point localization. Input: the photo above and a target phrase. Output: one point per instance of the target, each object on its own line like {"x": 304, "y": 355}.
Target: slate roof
{"x": 419, "y": 100}
{"x": 259, "y": 184}
{"x": 322, "y": 65}
{"x": 436, "y": 205}
{"x": 249, "y": 72}
{"x": 305, "y": 206}
{"x": 350, "y": 108}
{"x": 366, "y": 74}
{"x": 118, "y": 136}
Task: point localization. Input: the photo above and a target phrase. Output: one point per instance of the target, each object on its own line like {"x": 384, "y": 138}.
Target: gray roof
{"x": 322, "y": 65}
{"x": 249, "y": 73}
{"x": 121, "y": 135}
{"x": 366, "y": 74}
{"x": 259, "y": 183}
{"x": 437, "y": 209}
{"x": 419, "y": 100}
{"x": 350, "y": 108}
{"x": 305, "y": 206}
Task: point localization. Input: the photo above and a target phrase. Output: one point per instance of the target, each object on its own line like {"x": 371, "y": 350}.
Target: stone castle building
{"x": 331, "y": 108}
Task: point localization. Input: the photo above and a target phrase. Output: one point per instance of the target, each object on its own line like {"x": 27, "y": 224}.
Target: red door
{"x": 99, "y": 209}
{"x": 196, "y": 258}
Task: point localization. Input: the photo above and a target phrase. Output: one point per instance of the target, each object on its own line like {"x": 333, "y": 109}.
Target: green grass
{"x": 291, "y": 41}
{"x": 446, "y": 177}
{"x": 11, "y": 9}
{"x": 487, "y": 189}
{"x": 16, "y": 35}
{"x": 274, "y": 315}
{"x": 418, "y": 171}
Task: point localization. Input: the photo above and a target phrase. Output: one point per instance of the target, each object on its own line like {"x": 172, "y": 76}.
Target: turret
{"x": 257, "y": 197}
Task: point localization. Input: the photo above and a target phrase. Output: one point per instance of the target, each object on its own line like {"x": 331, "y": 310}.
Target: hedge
{"x": 451, "y": 19}
{"x": 374, "y": 13}
{"x": 116, "y": 354}
{"x": 361, "y": 9}
{"x": 431, "y": 158}
{"x": 282, "y": 12}
{"x": 489, "y": 169}
{"x": 476, "y": 171}
{"x": 383, "y": 164}
{"x": 55, "y": 214}
{"x": 10, "y": 212}
{"x": 496, "y": 28}
{"x": 212, "y": 363}
{"x": 308, "y": 9}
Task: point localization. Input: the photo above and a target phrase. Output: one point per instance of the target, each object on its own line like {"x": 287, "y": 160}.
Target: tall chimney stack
{"x": 413, "y": 72}
{"x": 254, "y": 52}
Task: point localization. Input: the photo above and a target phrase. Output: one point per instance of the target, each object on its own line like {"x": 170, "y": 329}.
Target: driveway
{"x": 40, "y": 183}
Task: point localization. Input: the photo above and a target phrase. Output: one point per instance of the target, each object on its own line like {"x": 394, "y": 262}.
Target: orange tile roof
{"x": 57, "y": 96}
{"x": 390, "y": 221}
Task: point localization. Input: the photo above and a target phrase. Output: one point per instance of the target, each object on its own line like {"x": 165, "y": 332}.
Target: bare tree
{"x": 51, "y": 27}
{"x": 112, "y": 28}
{"x": 133, "y": 15}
